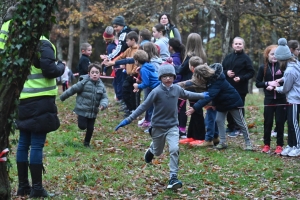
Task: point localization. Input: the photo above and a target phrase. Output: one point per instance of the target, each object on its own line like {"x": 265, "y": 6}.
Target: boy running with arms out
{"x": 164, "y": 119}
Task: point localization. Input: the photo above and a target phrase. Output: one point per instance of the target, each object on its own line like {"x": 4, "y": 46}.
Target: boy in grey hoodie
{"x": 164, "y": 119}
{"x": 291, "y": 88}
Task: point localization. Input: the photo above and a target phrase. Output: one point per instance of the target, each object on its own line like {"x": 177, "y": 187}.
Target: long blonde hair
{"x": 194, "y": 47}
{"x": 203, "y": 72}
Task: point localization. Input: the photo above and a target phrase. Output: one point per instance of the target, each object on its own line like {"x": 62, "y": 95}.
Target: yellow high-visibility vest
{"x": 37, "y": 85}
{"x": 4, "y": 34}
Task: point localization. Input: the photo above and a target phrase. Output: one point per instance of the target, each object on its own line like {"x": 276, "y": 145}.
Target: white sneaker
{"x": 273, "y": 133}
{"x": 295, "y": 152}
{"x": 286, "y": 150}
{"x": 140, "y": 122}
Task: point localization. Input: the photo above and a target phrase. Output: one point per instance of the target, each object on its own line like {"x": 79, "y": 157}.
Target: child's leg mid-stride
{"x": 88, "y": 124}
{"x": 238, "y": 116}
{"x": 159, "y": 137}
{"x": 220, "y": 120}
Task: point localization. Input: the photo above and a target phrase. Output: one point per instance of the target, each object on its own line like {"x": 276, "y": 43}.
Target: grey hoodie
{"x": 156, "y": 62}
{"x": 291, "y": 85}
{"x": 163, "y": 44}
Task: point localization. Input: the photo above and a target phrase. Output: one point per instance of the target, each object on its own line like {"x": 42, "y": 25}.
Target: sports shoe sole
{"x": 175, "y": 186}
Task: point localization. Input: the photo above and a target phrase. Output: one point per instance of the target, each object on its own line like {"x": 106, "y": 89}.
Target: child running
{"x": 164, "y": 119}
{"x": 91, "y": 94}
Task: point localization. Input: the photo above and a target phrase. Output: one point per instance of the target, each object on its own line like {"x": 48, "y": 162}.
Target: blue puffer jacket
{"x": 90, "y": 95}
{"x": 223, "y": 96}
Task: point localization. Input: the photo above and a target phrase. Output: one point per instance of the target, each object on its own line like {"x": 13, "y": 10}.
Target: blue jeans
{"x": 36, "y": 141}
{"x": 118, "y": 83}
{"x": 211, "y": 125}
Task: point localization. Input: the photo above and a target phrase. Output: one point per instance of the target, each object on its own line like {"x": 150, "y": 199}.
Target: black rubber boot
{"x": 24, "y": 187}
{"x": 37, "y": 190}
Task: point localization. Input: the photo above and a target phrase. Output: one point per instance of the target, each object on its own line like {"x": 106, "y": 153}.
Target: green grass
{"x": 114, "y": 167}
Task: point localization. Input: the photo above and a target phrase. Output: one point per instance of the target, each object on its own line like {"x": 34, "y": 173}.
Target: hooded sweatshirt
{"x": 149, "y": 76}
{"x": 156, "y": 62}
{"x": 291, "y": 85}
{"x": 163, "y": 44}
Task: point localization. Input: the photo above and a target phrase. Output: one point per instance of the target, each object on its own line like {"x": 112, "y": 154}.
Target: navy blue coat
{"x": 222, "y": 94}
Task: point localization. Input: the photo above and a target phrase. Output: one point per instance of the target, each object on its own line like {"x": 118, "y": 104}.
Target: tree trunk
{"x": 15, "y": 66}
{"x": 226, "y": 43}
{"x": 174, "y": 12}
{"x": 83, "y": 24}
{"x": 251, "y": 53}
{"x": 71, "y": 37}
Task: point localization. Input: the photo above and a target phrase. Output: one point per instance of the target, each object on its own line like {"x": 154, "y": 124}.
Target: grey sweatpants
{"x": 238, "y": 117}
{"x": 159, "y": 137}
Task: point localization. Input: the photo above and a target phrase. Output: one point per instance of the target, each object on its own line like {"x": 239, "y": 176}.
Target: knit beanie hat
{"x": 108, "y": 33}
{"x": 166, "y": 69}
{"x": 119, "y": 20}
{"x": 282, "y": 52}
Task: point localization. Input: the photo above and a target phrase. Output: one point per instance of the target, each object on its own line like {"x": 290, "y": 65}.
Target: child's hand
{"x": 136, "y": 89}
{"x": 270, "y": 88}
{"x": 103, "y": 57}
{"x": 190, "y": 111}
{"x": 101, "y": 108}
{"x": 230, "y": 73}
{"x": 123, "y": 123}
{"x": 236, "y": 79}
{"x": 205, "y": 95}
{"x": 273, "y": 83}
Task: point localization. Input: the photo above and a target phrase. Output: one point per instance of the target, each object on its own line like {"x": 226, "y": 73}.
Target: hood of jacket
{"x": 148, "y": 66}
{"x": 156, "y": 62}
{"x": 218, "y": 71}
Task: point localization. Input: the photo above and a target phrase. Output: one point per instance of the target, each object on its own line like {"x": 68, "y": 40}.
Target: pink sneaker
{"x": 278, "y": 150}
{"x": 146, "y": 124}
{"x": 266, "y": 149}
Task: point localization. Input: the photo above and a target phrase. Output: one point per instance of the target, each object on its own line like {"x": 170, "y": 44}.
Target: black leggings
{"x": 88, "y": 124}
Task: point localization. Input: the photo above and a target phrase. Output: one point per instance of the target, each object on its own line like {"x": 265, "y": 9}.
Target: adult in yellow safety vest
{"x": 37, "y": 117}
{"x": 171, "y": 30}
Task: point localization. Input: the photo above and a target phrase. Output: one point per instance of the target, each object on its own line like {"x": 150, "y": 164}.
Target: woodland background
{"x": 259, "y": 22}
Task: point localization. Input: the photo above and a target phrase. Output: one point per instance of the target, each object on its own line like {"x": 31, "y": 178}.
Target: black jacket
{"x": 39, "y": 114}
{"x": 262, "y": 78}
{"x": 184, "y": 70}
{"x": 83, "y": 64}
{"x": 241, "y": 65}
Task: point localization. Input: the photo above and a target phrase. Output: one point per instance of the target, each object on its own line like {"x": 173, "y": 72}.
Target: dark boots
{"x": 37, "y": 190}
{"x": 24, "y": 187}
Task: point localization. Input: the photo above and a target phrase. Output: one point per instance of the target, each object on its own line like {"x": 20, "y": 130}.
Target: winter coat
{"x": 39, "y": 114}
{"x": 90, "y": 95}
{"x": 222, "y": 94}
